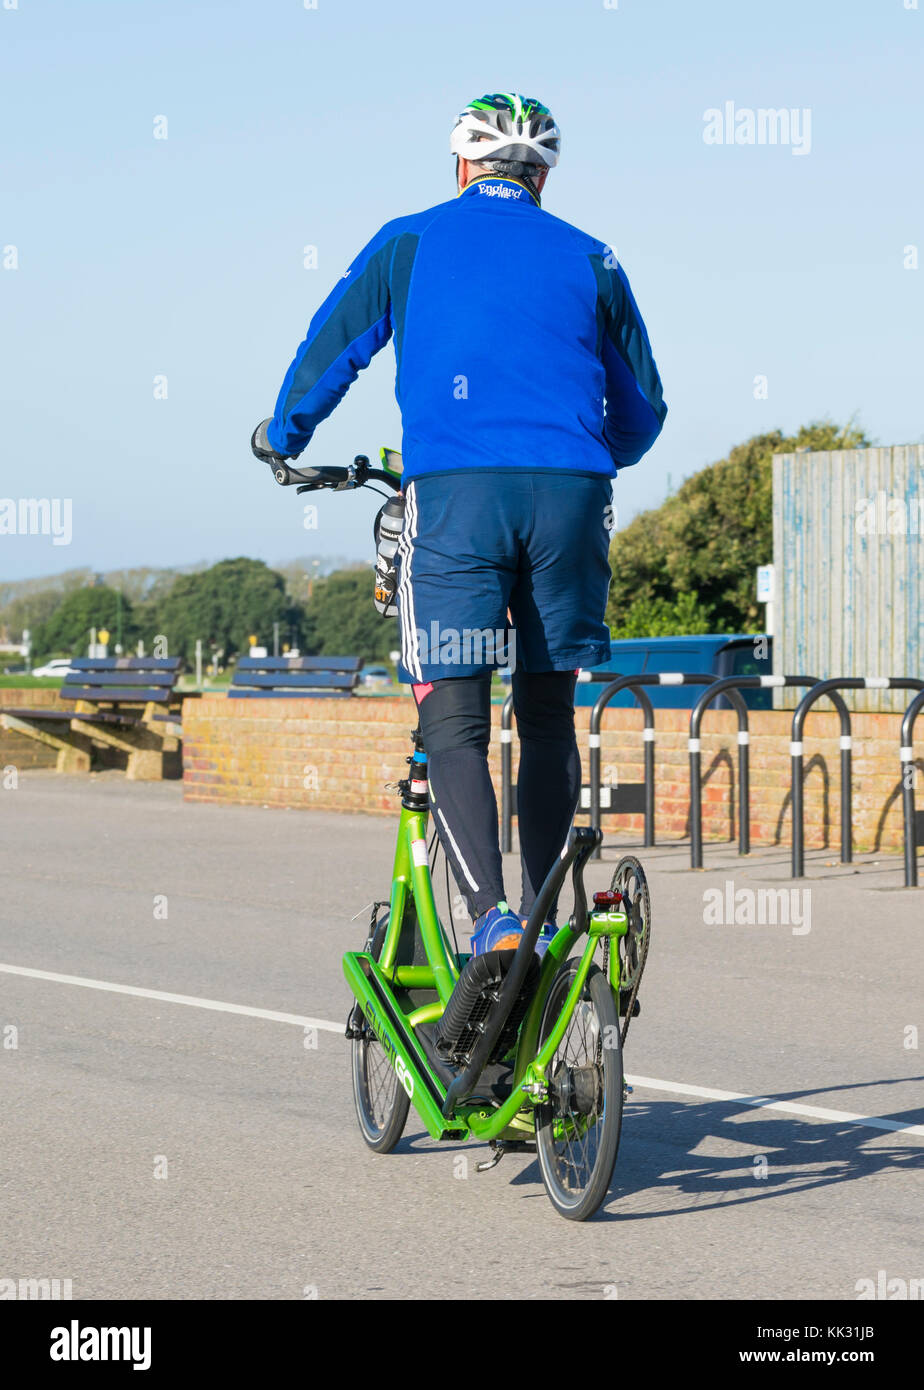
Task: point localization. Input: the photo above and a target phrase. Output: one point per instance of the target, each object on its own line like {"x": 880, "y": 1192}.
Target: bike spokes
{"x": 575, "y": 1086}
{"x": 577, "y": 1127}
{"x": 381, "y": 1082}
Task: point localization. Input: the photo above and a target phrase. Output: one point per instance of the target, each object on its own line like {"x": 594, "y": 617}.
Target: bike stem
{"x": 582, "y": 841}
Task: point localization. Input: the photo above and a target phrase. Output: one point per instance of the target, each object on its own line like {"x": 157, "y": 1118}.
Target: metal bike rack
{"x": 636, "y": 684}
{"x": 906, "y": 757}
{"x": 596, "y": 790}
{"x": 795, "y": 754}
{"x": 744, "y": 758}
{"x": 508, "y": 790}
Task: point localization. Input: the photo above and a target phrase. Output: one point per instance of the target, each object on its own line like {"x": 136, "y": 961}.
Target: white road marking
{"x": 647, "y": 1083}
{"x": 272, "y": 1014}
{"x": 789, "y": 1107}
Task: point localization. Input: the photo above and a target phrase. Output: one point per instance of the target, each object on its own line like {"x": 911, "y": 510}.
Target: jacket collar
{"x": 498, "y": 186}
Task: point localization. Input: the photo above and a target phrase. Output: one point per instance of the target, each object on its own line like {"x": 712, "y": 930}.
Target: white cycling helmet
{"x": 507, "y": 126}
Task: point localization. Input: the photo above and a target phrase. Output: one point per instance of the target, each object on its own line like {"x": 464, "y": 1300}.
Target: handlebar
{"x": 357, "y": 474}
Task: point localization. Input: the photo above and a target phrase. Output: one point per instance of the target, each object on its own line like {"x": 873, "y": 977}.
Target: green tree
{"x": 224, "y": 606}
{"x": 62, "y": 584}
{"x": 689, "y": 566}
{"x": 67, "y": 631}
{"x": 658, "y": 617}
{"x": 27, "y": 603}
{"x": 341, "y": 619}
{"x": 30, "y": 611}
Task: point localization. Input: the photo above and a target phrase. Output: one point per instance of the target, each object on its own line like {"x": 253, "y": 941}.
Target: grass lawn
{"x": 24, "y": 682}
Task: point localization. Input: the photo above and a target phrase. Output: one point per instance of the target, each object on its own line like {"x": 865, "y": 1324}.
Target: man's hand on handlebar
{"x": 286, "y": 476}
{"x": 259, "y": 443}
{"x": 310, "y": 479}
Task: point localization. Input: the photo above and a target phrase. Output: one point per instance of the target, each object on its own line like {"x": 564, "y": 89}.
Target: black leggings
{"x": 455, "y": 719}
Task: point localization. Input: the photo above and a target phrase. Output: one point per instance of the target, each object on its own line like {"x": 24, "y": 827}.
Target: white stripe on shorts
{"x": 409, "y": 653}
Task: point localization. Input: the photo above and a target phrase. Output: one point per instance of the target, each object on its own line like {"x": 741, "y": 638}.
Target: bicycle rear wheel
{"x": 381, "y": 1102}
{"x": 578, "y": 1128}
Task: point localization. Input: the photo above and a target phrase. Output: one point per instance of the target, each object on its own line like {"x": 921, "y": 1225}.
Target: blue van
{"x": 719, "y": 654}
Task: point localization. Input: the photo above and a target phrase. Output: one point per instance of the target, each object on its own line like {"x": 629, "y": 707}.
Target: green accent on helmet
{"x": 509, "y": 101}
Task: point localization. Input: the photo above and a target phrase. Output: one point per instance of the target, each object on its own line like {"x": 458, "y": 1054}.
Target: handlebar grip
{"x": 307, "y": 477}
{"x": 339, "y": 479}
{"x": 281, "y": 473}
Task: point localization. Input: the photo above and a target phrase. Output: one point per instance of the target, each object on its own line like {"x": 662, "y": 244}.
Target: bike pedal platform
{"x": 475, "y": 993}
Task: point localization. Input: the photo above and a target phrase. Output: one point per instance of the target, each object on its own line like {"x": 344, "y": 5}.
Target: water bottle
{"x": 387, "y": 531}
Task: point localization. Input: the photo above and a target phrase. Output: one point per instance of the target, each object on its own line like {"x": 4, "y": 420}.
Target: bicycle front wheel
{"x": 382, "y": 1104}
{"x": 381, "y": 1101}
{"x": 578, "y": 1128}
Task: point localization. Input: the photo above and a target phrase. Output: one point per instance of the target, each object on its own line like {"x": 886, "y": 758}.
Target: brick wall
{"x": 338, "y": 754}
{"x": 15, "y": 749}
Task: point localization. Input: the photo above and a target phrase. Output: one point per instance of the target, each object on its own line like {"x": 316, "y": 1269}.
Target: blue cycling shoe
{"x": 545, "y": 936}
{"x": 498, "y": 929}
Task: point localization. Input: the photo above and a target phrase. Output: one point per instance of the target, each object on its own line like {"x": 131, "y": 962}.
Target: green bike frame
{"x": 377, "y": 985}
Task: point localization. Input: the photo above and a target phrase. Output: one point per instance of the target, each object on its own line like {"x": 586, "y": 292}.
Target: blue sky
{"x": 289, "y": 127}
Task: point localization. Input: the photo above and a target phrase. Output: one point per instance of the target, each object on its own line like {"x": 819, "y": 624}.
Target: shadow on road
{"x": 785, "y": 1154}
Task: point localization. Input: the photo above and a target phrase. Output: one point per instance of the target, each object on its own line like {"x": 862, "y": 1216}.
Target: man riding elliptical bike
{"x": 526, "y": 381}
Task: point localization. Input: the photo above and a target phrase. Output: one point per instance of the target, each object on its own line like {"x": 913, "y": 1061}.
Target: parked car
{"x": 60, "y": 666}
{"x": 376, "y": 675}
{"x": 718, "y": 654}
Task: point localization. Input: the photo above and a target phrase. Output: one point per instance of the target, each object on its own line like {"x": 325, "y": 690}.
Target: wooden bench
{"x": 281, "y": 677}
{"x": 126, "y": 702}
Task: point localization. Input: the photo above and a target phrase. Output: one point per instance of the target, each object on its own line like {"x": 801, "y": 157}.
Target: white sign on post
{"x": 765, "y": 584}
{"x": 766, "y": 593}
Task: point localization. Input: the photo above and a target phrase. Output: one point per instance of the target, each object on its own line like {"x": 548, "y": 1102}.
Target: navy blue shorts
{"x": 477, "y": 545}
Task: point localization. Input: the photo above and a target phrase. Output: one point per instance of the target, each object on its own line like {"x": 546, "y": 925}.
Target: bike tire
{"x": 599, "y": 1047}
{"x": 381, "y": 1110}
